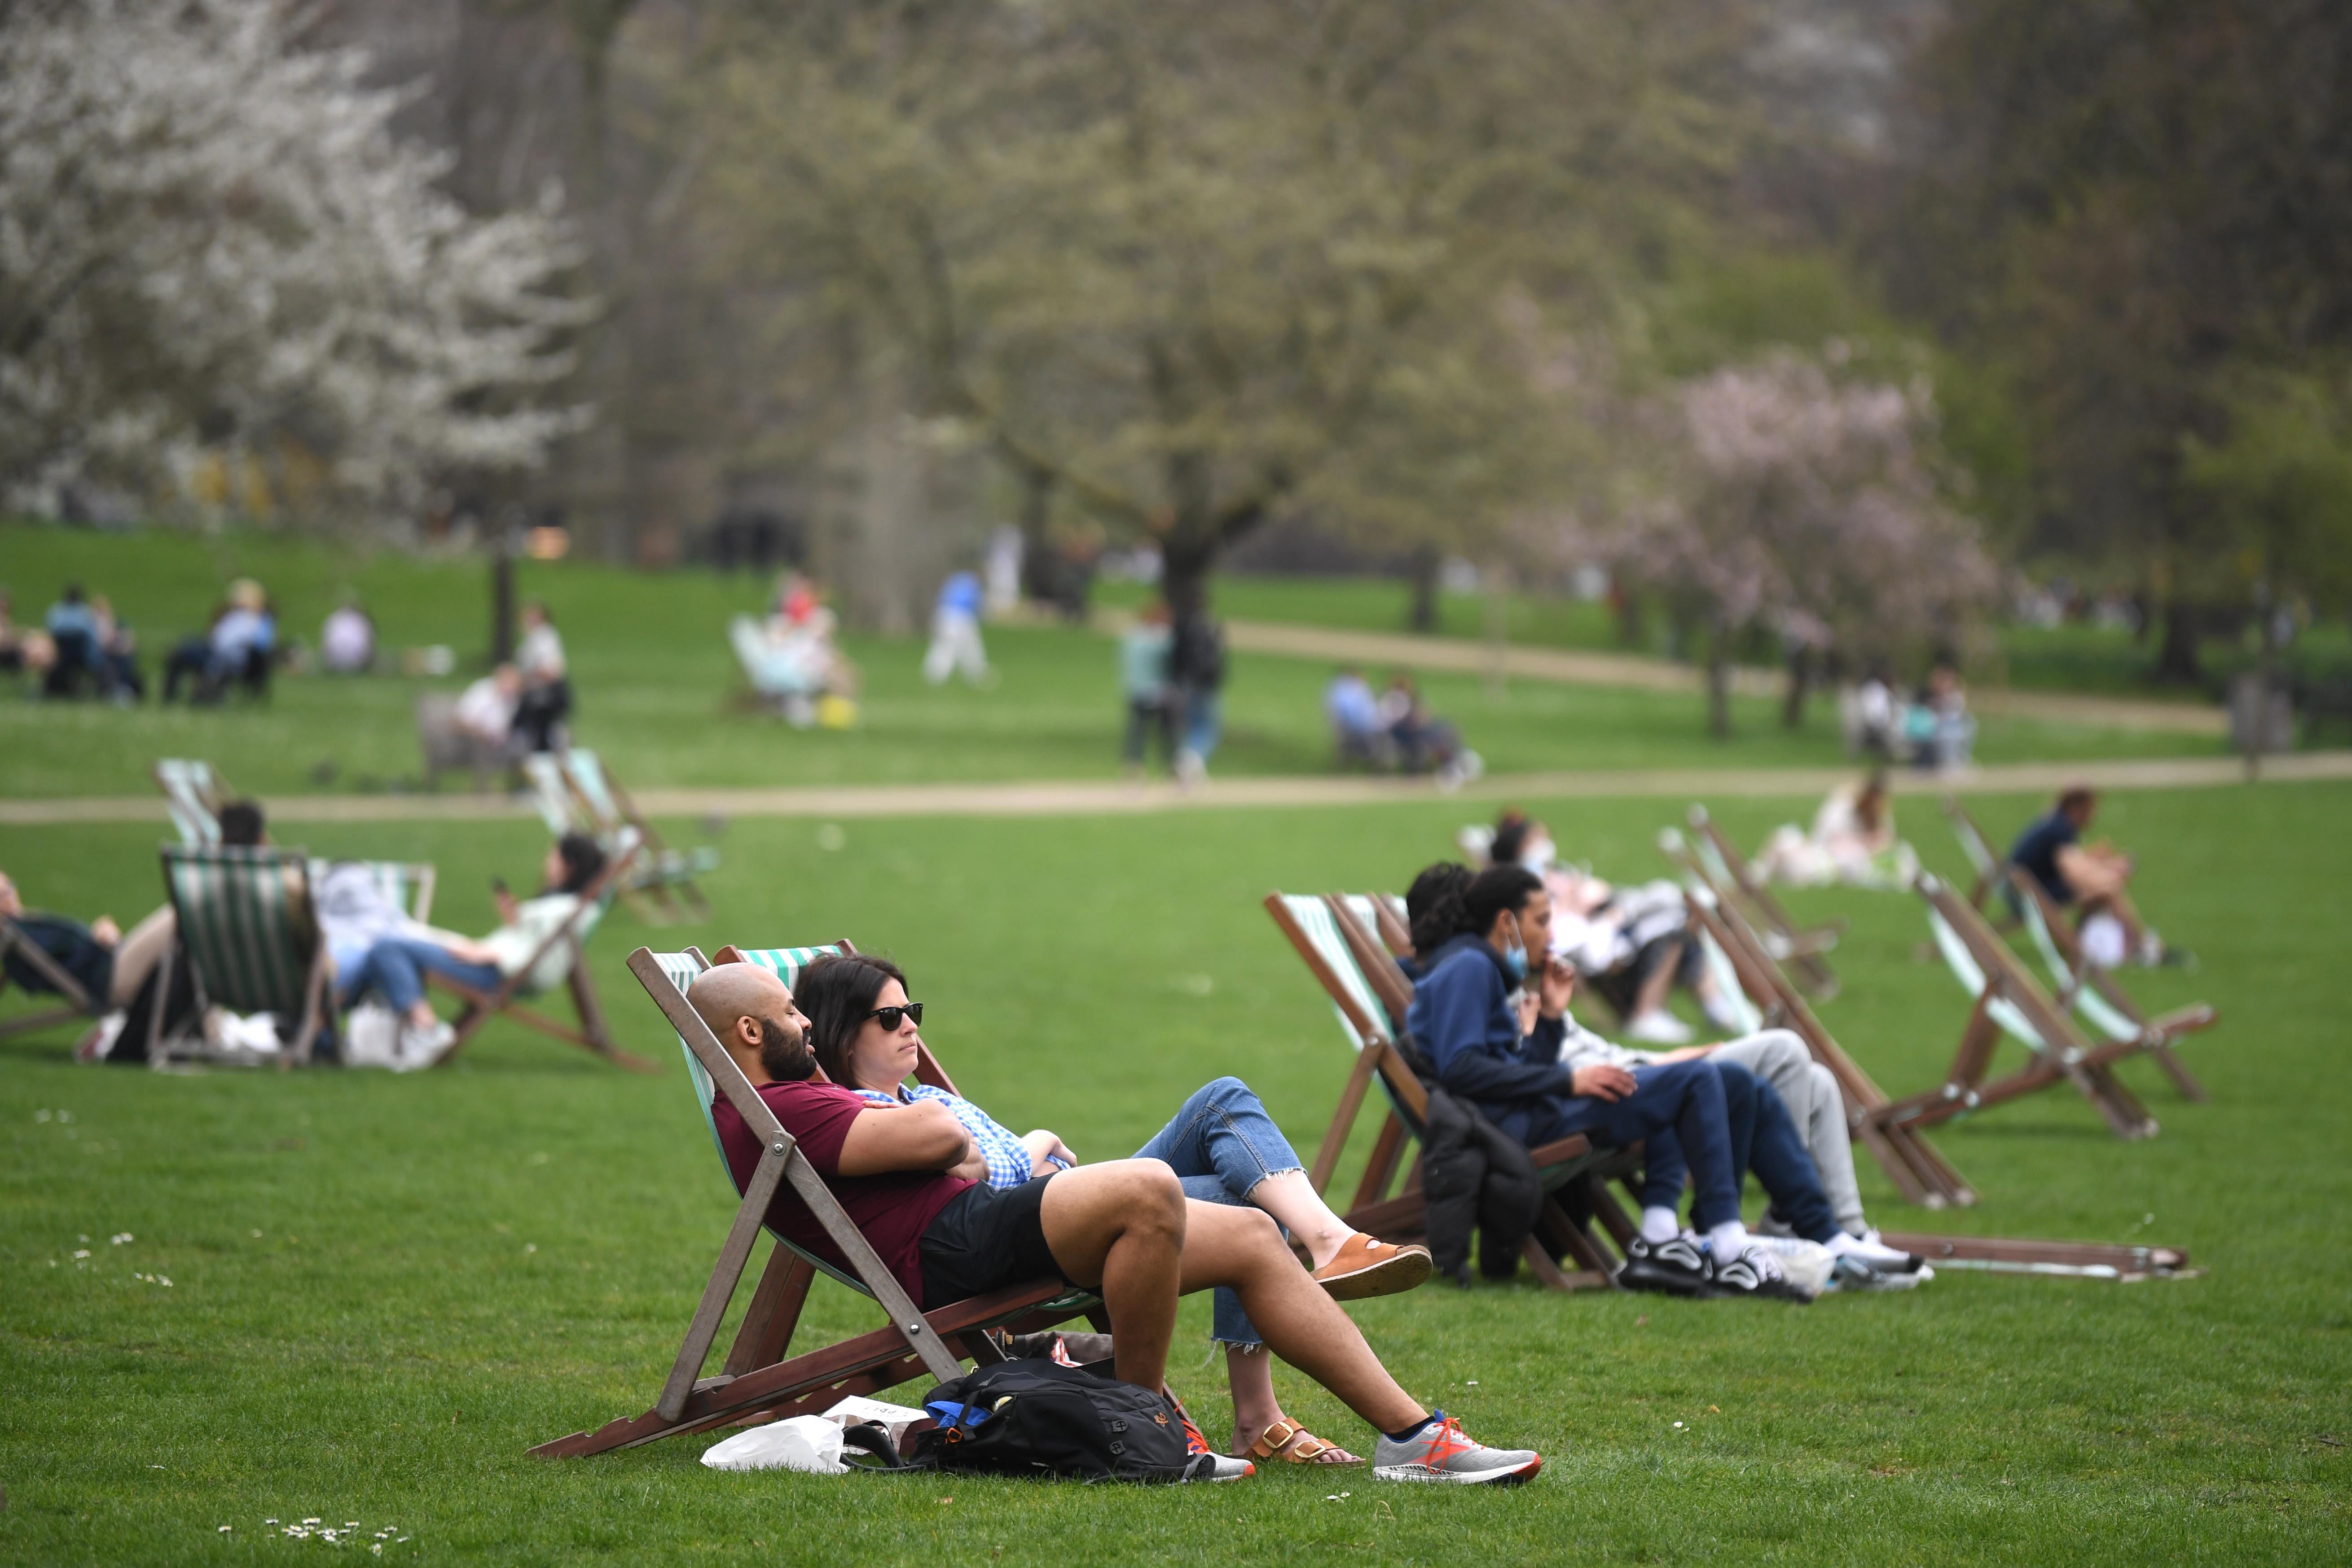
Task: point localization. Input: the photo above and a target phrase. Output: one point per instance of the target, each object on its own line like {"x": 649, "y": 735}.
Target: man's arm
{"x": 924, "y": 1136}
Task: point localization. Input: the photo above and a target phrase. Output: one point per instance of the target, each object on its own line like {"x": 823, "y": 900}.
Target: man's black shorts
{"x": 985, "y": 1239}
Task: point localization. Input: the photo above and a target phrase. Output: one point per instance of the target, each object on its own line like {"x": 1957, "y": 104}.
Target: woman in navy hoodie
{"x": 1466, "y": 1020}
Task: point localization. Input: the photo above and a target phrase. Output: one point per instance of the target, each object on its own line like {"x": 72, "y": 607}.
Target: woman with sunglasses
{"x": 864, "y": 1030}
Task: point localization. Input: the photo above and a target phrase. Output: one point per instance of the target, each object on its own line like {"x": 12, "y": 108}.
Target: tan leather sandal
{"x": 1294, "y": 1444}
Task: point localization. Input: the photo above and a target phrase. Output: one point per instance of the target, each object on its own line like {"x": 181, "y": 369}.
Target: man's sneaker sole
{"x": 1658, "y": 1279}
{"x": 1499, "y": 1476}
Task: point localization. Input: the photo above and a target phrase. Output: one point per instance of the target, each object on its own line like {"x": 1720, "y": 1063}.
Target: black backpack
{"x": 1035, "y": 1416}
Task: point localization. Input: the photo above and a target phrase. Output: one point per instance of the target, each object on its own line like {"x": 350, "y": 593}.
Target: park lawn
{"x": 383, "y": 1289}
{"x": 659, "y": 694}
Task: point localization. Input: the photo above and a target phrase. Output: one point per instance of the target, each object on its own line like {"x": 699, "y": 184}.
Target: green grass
{"x": 657, "y": 688}
{"x": 454, "y": 1266}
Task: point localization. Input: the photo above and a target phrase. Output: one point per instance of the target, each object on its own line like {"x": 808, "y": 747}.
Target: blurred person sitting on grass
{"x": 1853, "y": 841}
{"x": 1221, "y": 1144}
{"x": 910, "y": 1176}
{"x": 393, "y": 967}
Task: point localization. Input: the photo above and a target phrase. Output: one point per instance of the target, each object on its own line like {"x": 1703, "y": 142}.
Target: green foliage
{"x": 2282, "y": 478}
{"x": 454, "y": 1266}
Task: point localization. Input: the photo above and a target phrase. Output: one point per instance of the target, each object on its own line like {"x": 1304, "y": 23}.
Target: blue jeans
{"x": 394, "y": 969}
{"x": 1764, "y": 1139}
{"x": 1220, "y": 1145}
{"x": 1203, "y": 720}
{"x": 1686, "y": 1101}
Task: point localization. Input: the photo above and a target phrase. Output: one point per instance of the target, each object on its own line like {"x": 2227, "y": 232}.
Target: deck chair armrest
{"x": 58, "y": 978}
{"x": 1560, "y": 1150}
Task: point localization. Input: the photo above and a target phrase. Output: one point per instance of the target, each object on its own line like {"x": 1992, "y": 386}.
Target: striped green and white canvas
{"x": 2091, "y": 1007}
{"x": 189, "y": 790}
{"x": 551, "y": 795}
{"x": 1971, "y": 976}
{"x": 681, "y": 969}
{"x": 786, "y": 962}
{"x": 588, "y": 778}
{"x": 246, "y": 923}
{"x": 1315, "y": 918}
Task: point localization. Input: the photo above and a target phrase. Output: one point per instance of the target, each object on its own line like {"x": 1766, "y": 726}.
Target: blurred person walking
{"x": 1143, "y": 682}
{"x": 955, "y": 633}
{"x": 1196, "y": 661}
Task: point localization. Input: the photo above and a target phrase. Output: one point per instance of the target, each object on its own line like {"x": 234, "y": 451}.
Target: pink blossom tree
{"x": 1779, "y": 498}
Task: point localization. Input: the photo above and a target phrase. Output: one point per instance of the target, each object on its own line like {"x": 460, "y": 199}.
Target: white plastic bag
{"x": 807, "y": 1443}
{"x": 1808, "y": 1264}
{"x": 372, "y": 1037}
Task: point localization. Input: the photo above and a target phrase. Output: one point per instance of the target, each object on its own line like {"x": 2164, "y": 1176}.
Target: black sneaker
{"x": 1675, "y": 1268}
{"x": 1755, "y": 1274}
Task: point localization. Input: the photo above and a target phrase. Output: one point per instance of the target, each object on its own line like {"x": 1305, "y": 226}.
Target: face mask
{"x": 1514, "y": 959}
{"x": 1540, "y": 855}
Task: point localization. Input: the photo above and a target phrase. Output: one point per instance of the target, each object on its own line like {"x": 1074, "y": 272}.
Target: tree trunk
{"x": 1800, "y": 685}
{"x": 1719, "y": 682}
{"x": 2177, "y": 662}
{"x": 1423, "y": 616}
{"x": 1186, "y": 559}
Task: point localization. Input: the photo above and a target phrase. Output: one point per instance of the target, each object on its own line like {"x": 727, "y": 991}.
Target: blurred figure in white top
{"x": 546, "y": 700}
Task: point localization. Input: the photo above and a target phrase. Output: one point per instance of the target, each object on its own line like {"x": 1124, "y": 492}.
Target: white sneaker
{"x": 1719, "y": 1014}
{"x": 422, "y": 1048}
{"x": 1875, "y": 1253}
{"x": 1658, "y": 1027}
{"x": 1441, "y": 1451}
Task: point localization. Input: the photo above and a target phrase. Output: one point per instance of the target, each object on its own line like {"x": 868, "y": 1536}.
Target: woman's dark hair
{"x": 582, "y": 860}
{"x": 1433, "y": 906}
{"x": 1493, "y": 890}
{"x": 1510, "y": 842}
{"x": 835, "y": 995}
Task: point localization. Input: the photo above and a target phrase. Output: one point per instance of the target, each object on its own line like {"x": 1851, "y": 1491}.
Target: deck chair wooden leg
{"x": 1573, "y": 1238}
{"x": 163, "y": 966}
{"x": 1343, "y": 1120}
{"x": 721, "y": 1288}
{"x": 583, "y": 1002}
{"x": 1387, "y": 1147}
{"x": 775, "y": 1311}
{"x": 2177, "y": 1070}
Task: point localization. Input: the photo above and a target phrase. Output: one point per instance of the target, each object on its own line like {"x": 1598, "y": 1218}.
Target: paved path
{"x": 1110, "y": 798}
{"x": 1640, "y": 673}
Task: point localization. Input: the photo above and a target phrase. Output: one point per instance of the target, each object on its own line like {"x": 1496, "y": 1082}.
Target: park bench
{"x": 756, "y": 1382}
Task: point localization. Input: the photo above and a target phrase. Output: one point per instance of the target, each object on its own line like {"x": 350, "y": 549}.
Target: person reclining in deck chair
{"x": 2092, "y": 878}
{"x": 112, "y": 966}
{"x": 1221, "y": 1144}
{"x": 1467, "y": 1024}
{"x": 1632, "y": 944}
{"x": 1853, "y": 841}
{"x": 909, "y": 1175}
{"x": 393, "y": 967}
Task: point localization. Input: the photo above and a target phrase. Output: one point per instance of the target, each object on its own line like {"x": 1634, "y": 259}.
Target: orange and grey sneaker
{"x": 1220, "y": 1467}
{"x": 1441, "y": 1451}
{"x": 1365, "y": 1266}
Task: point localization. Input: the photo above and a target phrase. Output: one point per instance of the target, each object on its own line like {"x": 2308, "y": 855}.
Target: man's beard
{"x": 784, "y": 1053}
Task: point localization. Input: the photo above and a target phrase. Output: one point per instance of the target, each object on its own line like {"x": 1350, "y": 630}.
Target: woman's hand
{"x": 104, "y": 932}
{"x": 464, "y": 950}
{"x": 1045, "y": 1148}
{"x": 1600, "y": 1082}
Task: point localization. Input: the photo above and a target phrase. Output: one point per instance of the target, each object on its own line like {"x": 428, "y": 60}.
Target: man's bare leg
{"x": 1241, "y": 1247}
{"x": 1652, "y": 995}
{"x": 1118, "y": 1229}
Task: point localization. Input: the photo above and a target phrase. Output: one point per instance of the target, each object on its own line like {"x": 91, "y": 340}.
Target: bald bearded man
{"x": 1122, "y": 1228}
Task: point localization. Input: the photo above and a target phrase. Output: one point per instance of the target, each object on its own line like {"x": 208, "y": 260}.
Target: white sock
{"x": 1658, "y": 1225}
{"x": 1727, "y": 1240}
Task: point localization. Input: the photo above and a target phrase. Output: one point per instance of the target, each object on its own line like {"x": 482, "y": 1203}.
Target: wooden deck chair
{"x": 592, "y": 1035}
{"x": 1736, "y": 882}
{"x": 2094, "y": 995}
{"x": 551, "y": 796}
{"x": 2009, "y": 1001}
{"x": 194, "y": 792}
{"x": 77, "y": 1002}
{"x": 666, "y": 874}
{"x": 1759, "y": 988}
{"x": 1986, "y": 865}
{"x": 250, "y": 939}
{"x": 1340, "y": 953}
{"x": 756, "y": 1384}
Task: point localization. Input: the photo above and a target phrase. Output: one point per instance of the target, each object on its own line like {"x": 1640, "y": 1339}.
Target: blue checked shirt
{"x": 1007, "y": 1156}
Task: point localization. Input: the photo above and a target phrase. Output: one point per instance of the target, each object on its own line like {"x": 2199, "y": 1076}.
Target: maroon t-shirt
{"x": 893, "y": 1210}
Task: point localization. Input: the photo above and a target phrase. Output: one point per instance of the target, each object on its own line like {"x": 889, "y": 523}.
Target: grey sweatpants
{"x": 1778, "y": 1057}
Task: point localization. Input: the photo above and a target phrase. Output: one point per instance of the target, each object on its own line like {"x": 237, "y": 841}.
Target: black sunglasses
{"x": 890, "y": 1017}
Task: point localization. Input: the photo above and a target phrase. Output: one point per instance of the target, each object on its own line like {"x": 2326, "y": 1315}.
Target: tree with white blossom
{"x": 212, "y": 241}
{"x": 1792, "y": 501}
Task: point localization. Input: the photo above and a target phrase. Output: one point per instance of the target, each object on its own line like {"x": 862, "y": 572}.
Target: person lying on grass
{"x": 1467, "y": 1024}
{"x": 393, "y": 967}
{"x": 1221, "y": 1144}
{"x": 1806, "y": 1098}
{"x": 1124, "y": 1228}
